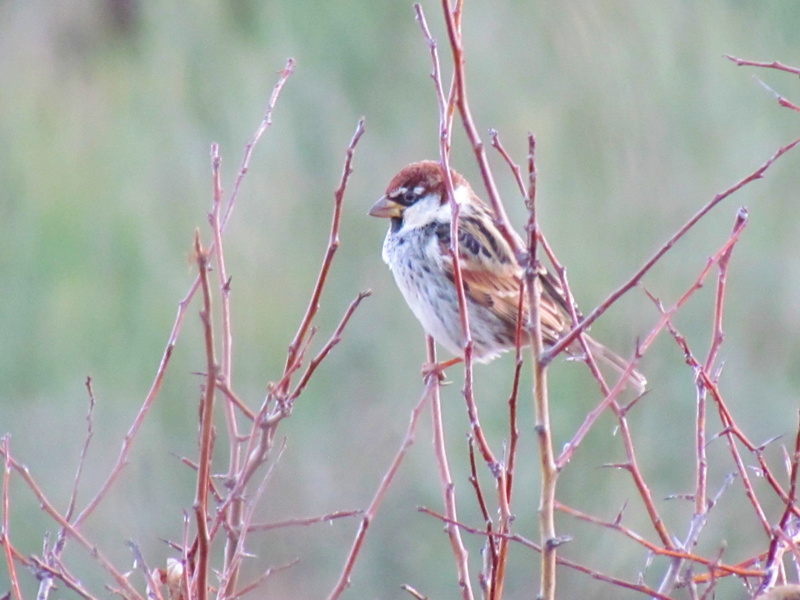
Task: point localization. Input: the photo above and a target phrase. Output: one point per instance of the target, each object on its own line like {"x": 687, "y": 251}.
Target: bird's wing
{"x": 493, "y": 278}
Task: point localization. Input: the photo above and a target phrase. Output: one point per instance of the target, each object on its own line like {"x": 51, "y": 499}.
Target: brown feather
{"x": 491, "y": 273}
{"x": 493, "y": 277}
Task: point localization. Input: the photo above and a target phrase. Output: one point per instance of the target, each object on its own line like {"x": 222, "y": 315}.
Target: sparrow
{"x": 782, "y": 592}
{"x": 416, "y": 249}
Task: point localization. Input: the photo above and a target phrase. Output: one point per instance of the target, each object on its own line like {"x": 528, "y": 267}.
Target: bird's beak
{"x": 386, "y": 208}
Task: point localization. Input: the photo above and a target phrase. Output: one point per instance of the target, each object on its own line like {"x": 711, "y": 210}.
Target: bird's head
{"x": 416, "y": 195}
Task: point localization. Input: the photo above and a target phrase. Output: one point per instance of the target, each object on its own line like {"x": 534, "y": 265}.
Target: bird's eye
{"x": 409, "y": 197}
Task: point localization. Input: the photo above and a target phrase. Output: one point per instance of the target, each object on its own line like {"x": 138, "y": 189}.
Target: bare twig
{"x": 702, "y": 507}
{"x": 650, "y": 338}
{"x": 256, "y": 583}
{"x": 302, "y": 522}
{"x": 334, "y": 339}
{"x": 155, "y": 388}
{"x": 380, "y": 493}
{"x": 206, "y": 424}
{"x": 230, "y": 574}
{"x": 658, "y": 549}
{"x": 541, "y": 400}
{"x": 516, "y": 170}
{"x": 153, "y": 590}
{"x": 781, "y": 100}
{"x": 784, "y": 535}
{"x": 71, "y": 530}
{"x": 487, "y": 518}
{"x": 452, "y": 20}
{"x": 223, "y": 374}
{"x": 214, "y": 220}
{"x": 561, "y": 560}
{"x": 446, "y": 480}
{"x": 285, "y": 73}
{"x": 407, "y": 588}
{"x": 568, "y": 338}
{"x": 58, "y": 571}
{"x": 46, "y": 582}
{"x": 84, "y": 450}
{"x": 731, "y": 430}
{"x": 277, "y": 404}
{"x": 235, "y": 400}
{"x": 527, "y": 192}
{"x": 768, "y": 65}
{"x": 333, "y": 246}
{"x": 5, "y": 535}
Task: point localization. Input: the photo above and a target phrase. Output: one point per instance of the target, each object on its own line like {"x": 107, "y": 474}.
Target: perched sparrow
{"x": 417, "y": 251}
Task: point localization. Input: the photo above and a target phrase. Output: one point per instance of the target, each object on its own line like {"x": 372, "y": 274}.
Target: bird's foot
{"x": 437, "y": 370}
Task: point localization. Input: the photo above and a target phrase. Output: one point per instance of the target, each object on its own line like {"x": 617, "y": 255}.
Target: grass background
{"x": 107, "y": 111}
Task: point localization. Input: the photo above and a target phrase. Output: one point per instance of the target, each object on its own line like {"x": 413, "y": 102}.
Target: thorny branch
{"x": 700, "y": 497}
{"x": 251, "y": 451}
{"x": 127, "y": 442}
{"x": 567, "y": 339}
{"x": 188, "y": 577}
{"x": 369, "y": 515}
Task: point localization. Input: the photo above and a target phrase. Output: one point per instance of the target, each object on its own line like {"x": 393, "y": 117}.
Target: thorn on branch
{"x": 555, "y": 542}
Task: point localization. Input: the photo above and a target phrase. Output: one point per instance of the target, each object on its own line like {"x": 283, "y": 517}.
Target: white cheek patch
{"x": 430, "y": 209}
{"x": 422, "y": 212}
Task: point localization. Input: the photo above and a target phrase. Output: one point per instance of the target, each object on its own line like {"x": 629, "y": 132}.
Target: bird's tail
{"x": 617, "y": 363}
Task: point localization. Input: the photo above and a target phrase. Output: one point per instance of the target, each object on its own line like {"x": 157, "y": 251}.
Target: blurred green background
{"x": 107, "y": 112}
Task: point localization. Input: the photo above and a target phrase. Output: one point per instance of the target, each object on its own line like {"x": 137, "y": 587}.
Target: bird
{"x": 782, "y": 592}
{"x": 416, "y": 249}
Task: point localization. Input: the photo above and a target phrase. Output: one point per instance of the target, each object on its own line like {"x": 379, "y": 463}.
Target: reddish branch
{"x": 84, "y": 450}
{"x": 333, "y": 246}
{"x": 567, "y": 339}
{"x": 278, "y": 404}
{"x": 717, "y": 337}
{"x": 731, "y": 431}
{"x": 541, "y": 399}
{"x": 658, "y": 549}
{"x": 527, "y": 192}
{"x": 594, "y": 415}
{"x": 632, "y": 465}
{"x": 5, "y": 536}
{"x": 155, "y": 388}
{"x": 223, "y": 376}
{"x": 781, "y": 100}
{"x": 70, "y": 529}
{"x": 215, "y": 221}
{"x": 457, "y": 96}
{"x": 340, "y": 514}
{"x": 453, "y": 22}
{"x": 369, "y": 515}
{"x": 256, "y": 583}
{"x": 609, "y": 401}
{"x": 486, "y": 577}
{"x": 248, "y": 151}
{"x": 446, "y": 480}
{"x": 785, "y": 533}
{"x": 702, "y": 506}
{"x": 767, "y": 65}
{"x": 195, "y": 561}
{"x": 334, "y": 339}
{"x": 206, "y": 425}
{"x": 560, "y": 560}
